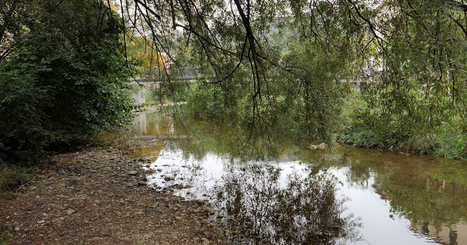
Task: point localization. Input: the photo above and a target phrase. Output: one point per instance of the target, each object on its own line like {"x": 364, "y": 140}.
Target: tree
{"x": 300, "y": 52}
{"x": 62, "y": 75}
{"x": 140, "y": 50}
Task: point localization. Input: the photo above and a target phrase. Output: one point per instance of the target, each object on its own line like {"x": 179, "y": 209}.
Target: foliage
{"x": 418, "y": 98}
{"x": 13, "y": 177}
{"x": 366, "y": 127}
{"x": 251, "y": 69}
{"x": 285, "y": 62}
{"x": 64, "y": 81}
{"x": 453, "y": 146}
{"x": 149, "y": 62}
{"x": 5, "y": 236}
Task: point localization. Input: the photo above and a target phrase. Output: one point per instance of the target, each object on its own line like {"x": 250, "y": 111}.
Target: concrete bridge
{"x": 182, "y": 74}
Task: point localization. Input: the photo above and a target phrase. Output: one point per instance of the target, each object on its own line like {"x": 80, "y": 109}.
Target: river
{"x": 341, "y": 195}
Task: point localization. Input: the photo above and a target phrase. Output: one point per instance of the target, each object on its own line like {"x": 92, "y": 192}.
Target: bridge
{"x": 180, "y": 74}
{"x": 188, "y": 74}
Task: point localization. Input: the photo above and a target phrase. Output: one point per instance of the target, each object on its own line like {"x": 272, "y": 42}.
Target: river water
{"x": 341, "y": 195}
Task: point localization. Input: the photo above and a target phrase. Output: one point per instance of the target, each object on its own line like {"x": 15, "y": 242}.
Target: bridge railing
{"x": 176, "y": 74}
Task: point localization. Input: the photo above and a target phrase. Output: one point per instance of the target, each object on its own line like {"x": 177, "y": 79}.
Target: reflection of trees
{"x": 253, "y": 204}
{"x": 423, "y": 190}
{"x": 155, "y": 123}
{"x": 237, "y": 140}
{"x": 423, "y": 199}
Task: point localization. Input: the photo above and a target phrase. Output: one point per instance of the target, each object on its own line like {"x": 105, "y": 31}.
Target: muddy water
{"x": 335, "y": 196}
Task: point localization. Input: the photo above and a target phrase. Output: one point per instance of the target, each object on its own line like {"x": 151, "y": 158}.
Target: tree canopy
{"x": 294, "y": 57}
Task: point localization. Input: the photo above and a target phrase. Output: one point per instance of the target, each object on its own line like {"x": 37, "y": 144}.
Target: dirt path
{"x": 98, "y": 196}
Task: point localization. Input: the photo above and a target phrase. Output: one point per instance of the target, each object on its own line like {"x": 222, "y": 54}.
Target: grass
{"x": 5, "y": 236}
{"x": 12, "y": 177}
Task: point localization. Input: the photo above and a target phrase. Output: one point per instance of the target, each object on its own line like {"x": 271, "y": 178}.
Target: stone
{"x": 133, "y": 172}
{"x": 321, "y": 146}
{"x": 73, "y": 181}
{"x": 70, "y": 211}
{"x": 41, "y": 221}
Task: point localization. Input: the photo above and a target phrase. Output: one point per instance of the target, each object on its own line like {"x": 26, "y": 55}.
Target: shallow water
{"x": 342, "y": 195}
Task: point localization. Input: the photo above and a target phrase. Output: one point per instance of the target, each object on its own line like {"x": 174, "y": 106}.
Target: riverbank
{"x": 373, "y": 126}
{"x": 99, "y": 196}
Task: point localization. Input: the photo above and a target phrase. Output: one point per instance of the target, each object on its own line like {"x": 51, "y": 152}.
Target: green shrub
{"x": 64, "y": 81}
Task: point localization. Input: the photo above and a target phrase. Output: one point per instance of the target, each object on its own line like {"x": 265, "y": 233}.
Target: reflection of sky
{"x": 202, "y": 175}
{"x": 379, "y": 228}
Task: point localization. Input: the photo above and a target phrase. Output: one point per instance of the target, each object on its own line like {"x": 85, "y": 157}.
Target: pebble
{"x": 73, "y": 182}
{"x": 83, "y": 177}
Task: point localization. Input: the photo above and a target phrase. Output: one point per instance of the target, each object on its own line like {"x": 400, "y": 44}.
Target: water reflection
{"x": 253, "y": 202}
{"x": 152, "y": 129}
{"x": 401, "y": 199}
{"x": 153, "y": 124}
{"x": 453, "y": 235}
{"x": 425, "y": 191}
{"x": 259, "y": 202}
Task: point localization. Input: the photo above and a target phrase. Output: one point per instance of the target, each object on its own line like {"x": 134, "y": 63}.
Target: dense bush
{"x": 62, "y": 81}
{"x": 370, "y": 127}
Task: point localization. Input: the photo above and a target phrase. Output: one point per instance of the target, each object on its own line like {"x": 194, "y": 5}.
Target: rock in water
{"x": 321, "y": 146}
